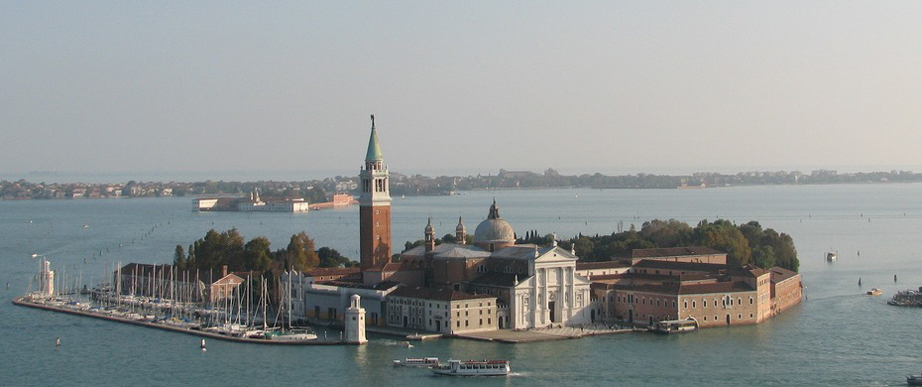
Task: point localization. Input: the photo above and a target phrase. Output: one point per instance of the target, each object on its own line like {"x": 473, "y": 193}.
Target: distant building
{"x": 251, "y": 203}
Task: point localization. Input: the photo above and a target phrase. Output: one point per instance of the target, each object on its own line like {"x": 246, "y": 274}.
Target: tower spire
{"x": 460, "y": 232}
{"x": 374, "y": 150}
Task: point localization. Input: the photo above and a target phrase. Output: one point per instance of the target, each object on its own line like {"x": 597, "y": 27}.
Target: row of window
{"x": 726, "y": 301}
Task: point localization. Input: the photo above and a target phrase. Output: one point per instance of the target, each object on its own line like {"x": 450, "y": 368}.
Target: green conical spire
{"x": 374, "y": 150}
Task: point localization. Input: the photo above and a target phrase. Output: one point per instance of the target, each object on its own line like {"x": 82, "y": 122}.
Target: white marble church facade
{"x": 548, "y": 293}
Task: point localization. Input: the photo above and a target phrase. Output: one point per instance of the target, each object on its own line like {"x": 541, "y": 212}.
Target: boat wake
{"x": 405, "y": 344}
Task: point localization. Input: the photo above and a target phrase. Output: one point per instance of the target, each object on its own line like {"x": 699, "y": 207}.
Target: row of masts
{"x": 163, "y": 291}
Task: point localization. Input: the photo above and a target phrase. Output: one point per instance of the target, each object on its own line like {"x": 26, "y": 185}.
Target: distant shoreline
{"x": 418, "y": 185}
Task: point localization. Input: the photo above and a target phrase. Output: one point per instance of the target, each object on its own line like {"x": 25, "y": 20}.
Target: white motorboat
{"x": 675, "y": 326}
{"x": 417, "y": 362}
{"x": 293, "y": 334}
{"x": 473, "y": 368}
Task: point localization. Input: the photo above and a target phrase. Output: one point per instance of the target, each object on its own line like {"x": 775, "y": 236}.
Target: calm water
{"x": 838, "y": 336}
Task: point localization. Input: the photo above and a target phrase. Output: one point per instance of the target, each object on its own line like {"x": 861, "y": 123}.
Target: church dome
{"x": 494, "y": 230}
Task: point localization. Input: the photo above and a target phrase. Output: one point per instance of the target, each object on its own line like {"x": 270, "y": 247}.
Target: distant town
{"x": 316, "y": 191}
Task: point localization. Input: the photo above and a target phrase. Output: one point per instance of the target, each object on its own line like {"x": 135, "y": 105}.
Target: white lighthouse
{"x": 46, "y": 277}
{"x": 355, "y": 321}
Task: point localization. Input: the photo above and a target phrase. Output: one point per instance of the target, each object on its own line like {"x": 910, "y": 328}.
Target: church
{"x": 451, "y": 287}
{"x": 533, "y": 286}
{"x": 494, "y": 283}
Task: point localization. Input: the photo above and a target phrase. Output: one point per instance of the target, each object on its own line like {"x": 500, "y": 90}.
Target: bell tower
{"x": 374, "y": 207}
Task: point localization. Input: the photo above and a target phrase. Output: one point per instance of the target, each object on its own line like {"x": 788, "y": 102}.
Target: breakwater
{"x": 26, "y": 301}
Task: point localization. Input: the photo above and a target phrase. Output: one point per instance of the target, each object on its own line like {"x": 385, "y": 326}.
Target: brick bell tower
{"x": 374, "y": 207}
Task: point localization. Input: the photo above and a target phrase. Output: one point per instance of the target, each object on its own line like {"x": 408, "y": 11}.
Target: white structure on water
{"x": 46, "y": 276}
{"x": 355, "y": 321}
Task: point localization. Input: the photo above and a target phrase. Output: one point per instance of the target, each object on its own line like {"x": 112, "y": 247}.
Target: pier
{"x": 61, "y": 307}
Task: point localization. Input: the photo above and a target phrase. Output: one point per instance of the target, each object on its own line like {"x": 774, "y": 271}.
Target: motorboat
{"x": 473, "y": 368}
{"x": 831, "y": 256}
{"x": 417, "y": 362}
{"x": 675, "y": 326}
{"x": 875, "y": 292}
{"x": 914, "y": 380}
{"x": 292, "y": 334}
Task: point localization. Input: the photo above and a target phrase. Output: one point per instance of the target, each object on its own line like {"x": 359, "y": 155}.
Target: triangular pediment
{"x": 554, "y": 254}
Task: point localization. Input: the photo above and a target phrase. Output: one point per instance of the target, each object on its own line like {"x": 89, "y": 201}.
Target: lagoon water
{"x": 837, "y": 337}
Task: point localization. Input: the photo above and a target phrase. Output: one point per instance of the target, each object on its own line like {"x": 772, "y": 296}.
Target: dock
{"x": 26, "y": 302}
{"x": 508, "y": 336}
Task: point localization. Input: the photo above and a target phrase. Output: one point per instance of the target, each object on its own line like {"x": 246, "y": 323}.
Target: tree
{"x": 670, "y": 233}
{"x": 583, "y": 247}
{"x": 217, "y": 249}
{"x": 724, "y": 236}
{"x": 257, "y": 255}
{"x": 764, "y": 257}
{"x": 331, "y": 258}
{"x": 179, "y": 258}
{"x": 300, "y": 253}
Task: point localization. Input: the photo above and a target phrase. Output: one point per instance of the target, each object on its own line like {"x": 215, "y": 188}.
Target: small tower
{"x": 460, "y": 233}
{"x": 47, "y": 279}
{"x": 430, "y": 236}
{"x": 355, "y": 321}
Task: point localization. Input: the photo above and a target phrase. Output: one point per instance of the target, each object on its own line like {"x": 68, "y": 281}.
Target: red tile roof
{"x": 601, "y": 265}
{"x": 780, "y": 274}
{"x": 440, "y": 294}
{"x": 328, "y": 271}
{"x": 673, "y": 252}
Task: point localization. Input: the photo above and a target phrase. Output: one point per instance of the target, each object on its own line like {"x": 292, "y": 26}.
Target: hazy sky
{"x": 464, "y": 86}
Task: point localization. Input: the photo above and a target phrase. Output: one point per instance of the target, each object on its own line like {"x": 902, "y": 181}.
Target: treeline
{"x": 744, "y": 244}
{"x": 445, "y": 185}
{"x": 228, "y": 248}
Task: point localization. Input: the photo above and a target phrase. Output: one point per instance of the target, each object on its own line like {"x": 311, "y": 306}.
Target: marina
{"x": 84, "y": 310}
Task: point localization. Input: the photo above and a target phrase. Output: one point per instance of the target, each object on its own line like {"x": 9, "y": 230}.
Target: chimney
{"x": 223, "y": 271}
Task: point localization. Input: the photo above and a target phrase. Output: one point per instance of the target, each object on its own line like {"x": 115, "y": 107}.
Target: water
{"x": 838, "y": 336}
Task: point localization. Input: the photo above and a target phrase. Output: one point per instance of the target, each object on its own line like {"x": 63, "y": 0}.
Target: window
{"x": 694, "y": 304}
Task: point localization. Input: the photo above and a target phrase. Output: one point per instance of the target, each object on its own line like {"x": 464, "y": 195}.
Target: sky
{"x": 470, "y": 87}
